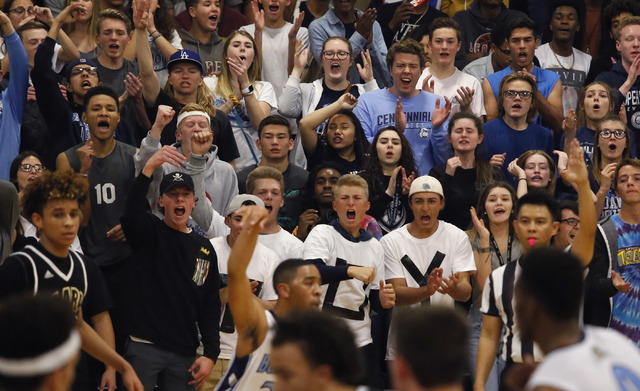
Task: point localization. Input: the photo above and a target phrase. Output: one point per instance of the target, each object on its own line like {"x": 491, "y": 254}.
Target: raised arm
{"x": 248, "y": 314}
{"x": 551, "y": 108}
{"x": 160, "y": 41}
{"x": 290, "y": 101}
{"x": 150, "y": 82}
{"x": 69, "y": 51}
{"x": 576, "y": 174}
{"x": 314, "y": 119}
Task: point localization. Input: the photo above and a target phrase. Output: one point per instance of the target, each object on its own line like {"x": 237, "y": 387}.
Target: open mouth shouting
{"x": 114, "y": 48}
{"x": 86, "y": 85}
{"x": 268, "y": 208}
{"x": 213, "y": 19}
{"x": 406, "y": 82}
{"x": 523, "y": 58}
{"x": 612, "y": 147}
{"x": 351, "y": 214}
{"x": 179, "y": 211}
{"x": 335, "y": 66}
{"x": 103, "y": 126}
{"x": 499, "y": 211}
{"x": 274, "y": 8}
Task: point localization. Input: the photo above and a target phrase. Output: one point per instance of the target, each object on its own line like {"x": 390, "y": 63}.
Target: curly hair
{"x": 409, "y": 46}
{"x": 53, "y": 186}
{"x": 373, "y": 170}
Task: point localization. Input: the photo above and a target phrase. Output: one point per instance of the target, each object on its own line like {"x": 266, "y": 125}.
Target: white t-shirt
{"x": 603, "y": 360}
{"x": 448, "y": 240}
{"x": 261, "y": 267}
{"x": 275, "y": 52}
{"x": 449, "y": 88}
{"x": 243, "y": 131}
{"x": 573, "y": 72}
{"x": 349, "y": 298}
{"x": 282, "y": 243}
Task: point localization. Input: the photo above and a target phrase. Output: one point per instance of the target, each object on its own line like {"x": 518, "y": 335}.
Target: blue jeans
{"x": 475, "y": 323}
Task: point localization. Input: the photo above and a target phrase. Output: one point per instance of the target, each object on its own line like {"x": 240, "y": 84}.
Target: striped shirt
{"x": 498, "y": 300}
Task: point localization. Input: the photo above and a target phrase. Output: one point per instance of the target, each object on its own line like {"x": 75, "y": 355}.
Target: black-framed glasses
{"x": 21, "y": 10}
{"x": 26, "y": 167}
{"x": 617, "y": 133}
{"x": 524, "y": 95}
{"x": 330, "y": 55}
{"x": 90, "y": 70}
{"x": 572, "y": 221}
{"x": 506, "y": 52}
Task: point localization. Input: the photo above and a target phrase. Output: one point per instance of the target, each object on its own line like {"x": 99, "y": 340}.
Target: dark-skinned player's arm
{"x": 248, "y": 314}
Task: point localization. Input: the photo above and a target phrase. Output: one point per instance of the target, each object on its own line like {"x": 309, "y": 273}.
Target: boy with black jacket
{"x": 176, "y": 283}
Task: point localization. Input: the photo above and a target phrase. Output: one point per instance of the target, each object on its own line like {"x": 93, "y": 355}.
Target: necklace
{"x": 573, "y": 59}
{"x": 589, "y": 36}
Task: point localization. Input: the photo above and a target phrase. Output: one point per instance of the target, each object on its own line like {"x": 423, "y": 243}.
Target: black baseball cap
{"x": 175, "y": 179}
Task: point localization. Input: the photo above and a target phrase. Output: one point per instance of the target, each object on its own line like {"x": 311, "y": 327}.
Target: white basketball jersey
{"x": 251, "y": 372}
{"x": 603, "y": 360}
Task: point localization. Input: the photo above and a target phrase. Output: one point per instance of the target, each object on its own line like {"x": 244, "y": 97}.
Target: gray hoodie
{"x": 210, "y": 53}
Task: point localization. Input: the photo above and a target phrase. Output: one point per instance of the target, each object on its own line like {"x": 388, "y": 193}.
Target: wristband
{"x": 153, "y": 32}
{"x": 248, "y": 91}
{"x": 153, "y": 39}
{"x": 522, "y": 179}
{"x": 484, "y": 250}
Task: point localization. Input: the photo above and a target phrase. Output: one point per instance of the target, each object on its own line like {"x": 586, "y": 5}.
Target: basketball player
{"x": 53, "y": 202}
{"x": 297, "y": 285}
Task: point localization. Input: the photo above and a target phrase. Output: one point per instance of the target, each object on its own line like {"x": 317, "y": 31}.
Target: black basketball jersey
{"x": 65, "y": 277}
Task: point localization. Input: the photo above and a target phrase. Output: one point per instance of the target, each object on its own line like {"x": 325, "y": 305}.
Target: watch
{"x": 248, "y": 91}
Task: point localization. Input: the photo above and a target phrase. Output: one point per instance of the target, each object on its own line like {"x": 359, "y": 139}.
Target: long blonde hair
{"x": 203, "y": 98}
{"x": 68, "y": 28}
{"x": 224, "y": 87}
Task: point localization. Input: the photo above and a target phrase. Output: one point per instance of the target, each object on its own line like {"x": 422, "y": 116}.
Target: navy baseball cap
{"x": 185, "y": 55}
{"x": 175, "y": 179}
{"x": 80, "y": 61}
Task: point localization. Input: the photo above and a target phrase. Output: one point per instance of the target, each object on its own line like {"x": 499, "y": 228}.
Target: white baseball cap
{"x": 426, "y": 183}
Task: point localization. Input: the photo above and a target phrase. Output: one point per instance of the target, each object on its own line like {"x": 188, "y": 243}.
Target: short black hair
{"x": 434, "y": 341}
{"x": 287, "y": 271}
{"x": 555, "y": 279}
{"x": 537, "y": 197}
{"x": 499, "y": 34}
{"x": 324, "y": 340}
{"x": 568, "y": 204}
{"x": 618, "y": 7}
{"x": 100, "y": 90}
{"x": 578, "y": 6}
{"x": 274, "y": 120}
{"x": 30, "y": 326}
{"x": 521, "y": 23}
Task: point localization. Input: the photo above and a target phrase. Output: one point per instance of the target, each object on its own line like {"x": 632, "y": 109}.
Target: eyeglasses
{"x": 90, "y": 70}
{"x": 330, "y": 55}
{"x": 617, "y": 133}
{"x": 524, "y": 95}
{"x": 26, "y": 167}
{"x": 21, "y": 10}
{"x": 572, "y": 221}
{"x": 506, "y": 52}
